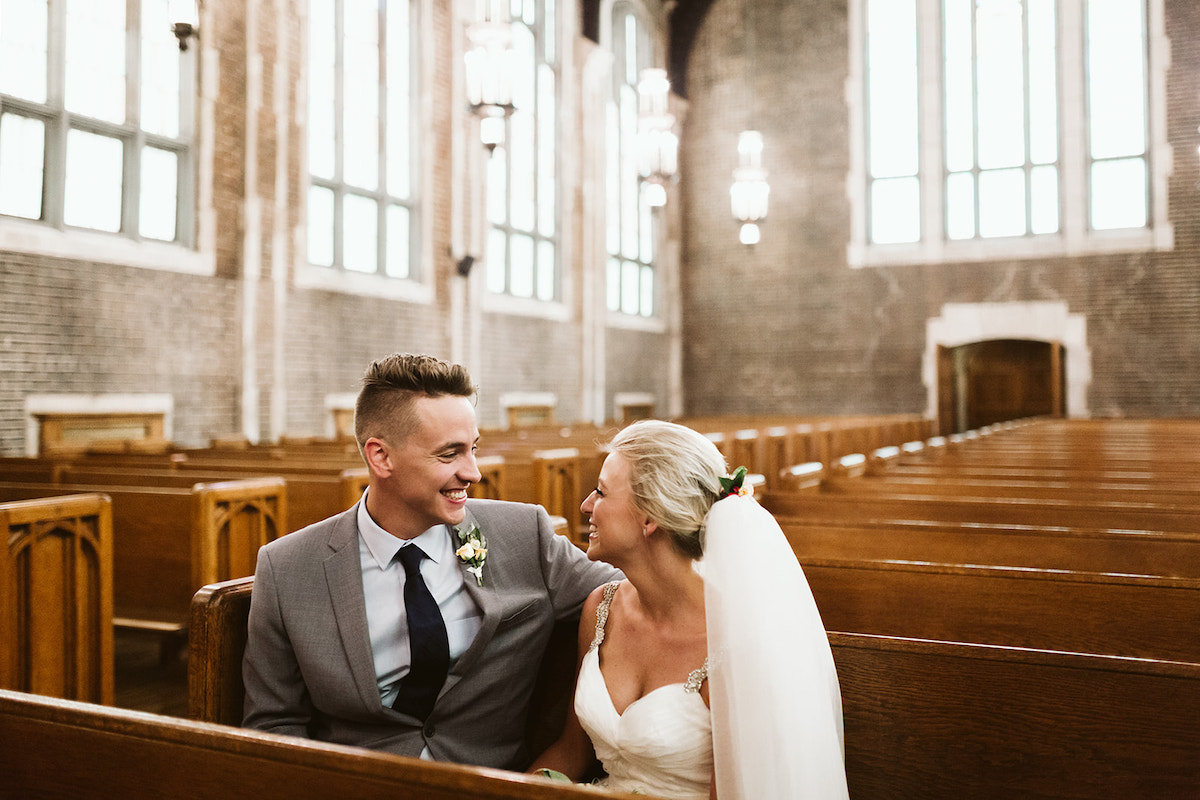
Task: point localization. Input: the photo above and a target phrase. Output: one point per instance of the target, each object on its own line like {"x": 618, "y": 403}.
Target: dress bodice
{"x": 661, "y": 744}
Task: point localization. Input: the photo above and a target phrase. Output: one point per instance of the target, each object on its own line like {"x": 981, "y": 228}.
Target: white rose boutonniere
{"x": 473, "y": 550}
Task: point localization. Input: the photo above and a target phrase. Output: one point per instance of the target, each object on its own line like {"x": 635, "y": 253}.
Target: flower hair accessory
{"x": 733, "y": 486}
{"x": 473, "y": 551}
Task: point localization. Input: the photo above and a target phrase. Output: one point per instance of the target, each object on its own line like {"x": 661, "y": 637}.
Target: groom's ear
{"x": 375, "y": 453}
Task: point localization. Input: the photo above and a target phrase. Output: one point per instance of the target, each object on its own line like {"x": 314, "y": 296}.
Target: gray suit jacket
{"x": 309, "y": 670}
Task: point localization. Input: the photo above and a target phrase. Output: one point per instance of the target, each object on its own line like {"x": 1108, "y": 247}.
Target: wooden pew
{"x": 56, "y": 635}
{"x": 316, "y": 492}
{"x": 945, "y": 721}
{"x": 61, "y": 748}
{"x": 1141, "y": 552}
{"x": 167, "y": 543}
{"x": 1019, "y": 511}
{"x": 217, "y": 641}
{"x": 1137, "y": 616}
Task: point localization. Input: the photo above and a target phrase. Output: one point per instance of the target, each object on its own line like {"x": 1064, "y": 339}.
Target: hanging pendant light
{"x": 490, "y": 63}
{"x": 750, "y": 190}
{"x": 658, "y": 145}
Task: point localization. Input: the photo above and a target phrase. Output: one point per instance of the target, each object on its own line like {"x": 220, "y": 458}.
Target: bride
{"x": 707, "y": 672}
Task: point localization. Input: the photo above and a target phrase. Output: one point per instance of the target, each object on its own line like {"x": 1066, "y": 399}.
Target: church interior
{"x": 930, "y": 269}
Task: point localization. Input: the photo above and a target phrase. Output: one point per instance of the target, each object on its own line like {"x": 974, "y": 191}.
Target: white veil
{"x": 773, "y": 690}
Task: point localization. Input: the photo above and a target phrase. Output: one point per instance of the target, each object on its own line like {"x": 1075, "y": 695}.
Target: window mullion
{"x": 930, "y": 100}
{"x": 1072, "y": 118}
{"x": 132, "y": 143}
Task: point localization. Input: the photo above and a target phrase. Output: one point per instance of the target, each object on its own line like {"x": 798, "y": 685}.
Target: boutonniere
{"x": 473, "y": 550}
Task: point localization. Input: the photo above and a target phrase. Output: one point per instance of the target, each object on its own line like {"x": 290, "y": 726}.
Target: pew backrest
{"x": 944, "y": 721}
{"x": 60, "y": 748}
{"x": 217, "y": 641}
{"x": 56, "y": 613}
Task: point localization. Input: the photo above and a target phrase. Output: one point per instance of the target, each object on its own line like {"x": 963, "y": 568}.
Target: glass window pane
{"x": 1118, "y": 194}
{"x": 398, "y": 90}
{"x": 497, "y": 186}
{"x": 613, "y": 284}
{"x": 892, "y": 148}
{"x": 497, "y": 261}
{"x": 629, "y": 287}
{"x": 1043, "y": 88}
{"x": 160, "y": 71}
{"x": 398, "y": 242}
{"x": 360, "y": 233}
{"x": 1044, "y": 199}
{"x": 23, "y": 39}
{"x": 521, "y": 272}
{"x": 959, "y": 106}
{"x": 160, "y": 190}
{"x": 95, "y": 59}
{"x": 549, "y": 32}
{"x": 322, "y": 79}
{"x": 647, "y": 291}
{"x": 320, "y": 226}
{"x": 95, "y": 166}
{"x": 545, "y": 271}
{"x": 612, "y": 181}
{"x": 895, "y": 211}
{"x": 1000, "y": 81}
{"x": 360, "y": 93}
{"x": 547, "y": 152}
{"x": 1002, "y": 203}
{"x": 522, "y": 151}
{"x": 960, "y": 206}
{"x": 22, "y": 153}
{"x": 1116, "y": 78}
{"x": 629, "y": 172}
{"x": 646, "y": 227}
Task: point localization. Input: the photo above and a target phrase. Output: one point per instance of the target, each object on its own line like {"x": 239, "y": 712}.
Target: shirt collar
{"x": 384, "y": 546}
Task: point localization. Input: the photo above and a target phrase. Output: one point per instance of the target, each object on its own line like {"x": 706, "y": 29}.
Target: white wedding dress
{"x": 662, "y": 744}
{"x": 773, "y": 730}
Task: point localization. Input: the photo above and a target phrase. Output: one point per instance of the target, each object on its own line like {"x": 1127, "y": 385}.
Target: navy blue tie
{"x": 427, "y": 642}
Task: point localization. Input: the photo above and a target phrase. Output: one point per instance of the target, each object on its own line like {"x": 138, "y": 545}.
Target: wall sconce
{"x": 658, "y": 145}
{"x": 748, "y": 195}
{"x": 185, "y": 16}
{"x": 490, "y": 63}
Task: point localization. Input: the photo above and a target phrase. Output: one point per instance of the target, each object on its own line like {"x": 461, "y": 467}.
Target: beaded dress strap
{"x": 610, "y": 589}
{"x": 696, "y": 677}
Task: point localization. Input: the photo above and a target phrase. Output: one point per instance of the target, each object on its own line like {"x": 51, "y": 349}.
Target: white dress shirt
{"x": 383, "y": 588}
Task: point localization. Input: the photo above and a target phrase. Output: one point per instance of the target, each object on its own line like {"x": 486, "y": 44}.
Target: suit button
{"x": 430, "y": 729}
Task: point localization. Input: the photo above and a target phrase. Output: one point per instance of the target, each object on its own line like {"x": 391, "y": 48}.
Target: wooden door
{"x": 981, "y": 383}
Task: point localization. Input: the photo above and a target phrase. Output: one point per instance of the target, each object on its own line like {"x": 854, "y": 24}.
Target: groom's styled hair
{"x": 676, "y": 476}
{"x": 390, "y": 387}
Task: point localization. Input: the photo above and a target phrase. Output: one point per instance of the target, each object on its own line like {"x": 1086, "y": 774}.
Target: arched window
{"x": 522, "y": 173}
{"x": 93, "y": 132}
{"x": 630, "y": 234}
{"x": 361, "y": 204}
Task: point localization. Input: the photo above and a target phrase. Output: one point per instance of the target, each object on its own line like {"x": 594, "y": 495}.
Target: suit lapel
{"x": 343, "y": 575}
{"x": 485, "y": 598}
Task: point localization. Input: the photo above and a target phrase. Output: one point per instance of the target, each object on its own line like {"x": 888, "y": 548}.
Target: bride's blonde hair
{"x": 676, "y": 476}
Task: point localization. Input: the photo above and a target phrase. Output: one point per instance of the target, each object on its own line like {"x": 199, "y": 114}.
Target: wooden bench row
{"x": 168, "y": 542}
{"x": 933, "y": 719}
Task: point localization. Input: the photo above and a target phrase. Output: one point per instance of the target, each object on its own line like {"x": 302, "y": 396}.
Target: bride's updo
{"x": 675, "y": 474}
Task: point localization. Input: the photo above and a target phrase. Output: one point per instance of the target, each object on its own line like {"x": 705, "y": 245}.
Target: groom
{"x": 357, "y": 638}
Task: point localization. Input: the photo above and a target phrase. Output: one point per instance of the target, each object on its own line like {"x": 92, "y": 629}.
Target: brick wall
{"x": 821, "y": 337}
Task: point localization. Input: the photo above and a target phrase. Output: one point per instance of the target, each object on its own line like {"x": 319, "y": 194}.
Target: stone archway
{"x": 963, "y": 323}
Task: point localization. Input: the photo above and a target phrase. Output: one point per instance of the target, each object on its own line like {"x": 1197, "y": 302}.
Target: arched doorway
{"x": 1043, "y": 321}
{"x": 980, "y": 383}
